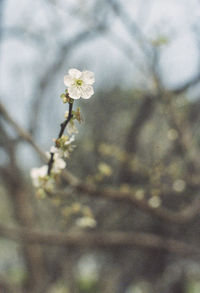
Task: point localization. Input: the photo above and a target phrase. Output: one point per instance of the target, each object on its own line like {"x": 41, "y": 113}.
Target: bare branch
{"x": 99, "y": 240}
{"x": 185, "y": 215}
{"x": 181, "y": 89}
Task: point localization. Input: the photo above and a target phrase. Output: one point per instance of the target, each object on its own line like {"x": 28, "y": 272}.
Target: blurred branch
{"x": 99, "y": 240}
{"x": 184, "y": 142}
{"x": 126, "y": 49}
{"x": 20, "y": 131}
{"x": 131, "y": 26}
{"x": 24, "y": 215}
{"x": 21, "y": 32}
{"x": 147, "y": 50}
{"x": 192, "y": 82}
{"x": 144, "y": 113}
{"x": 180, "y": 217}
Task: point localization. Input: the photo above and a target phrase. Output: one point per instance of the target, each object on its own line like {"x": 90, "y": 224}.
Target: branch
{"x": 179, "y": 90}
{"x": 131, "y": 26}
{"x": 180, "y": 217}
{"x": 138, "y": 122}
{"x": 99, "y": 240}
{"x": 62, "y": 129}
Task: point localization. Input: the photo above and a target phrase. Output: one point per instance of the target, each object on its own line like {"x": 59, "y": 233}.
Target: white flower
{"x": 86, "y": 222}
{"x": 79, "y": 83}
{"x": 65, "y": 150}
{"x": 71, "y": 128}
{"x": 38, "y": 174}
{"x": 71, "y": 139}
{"x": 54, "y": 150}
{"x": 58, "y": 164}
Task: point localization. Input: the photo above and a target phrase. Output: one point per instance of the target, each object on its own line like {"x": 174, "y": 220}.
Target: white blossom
{"x": 58, "y": 162}
{"x": 71, "y": 128}
{"x": 86, "y": 222}
{"x": 54, "y": 150}
{"x": 71, "y": 139}
{"x": 79, "y": 83}
{"x": 65, "y": 150}
{"x": 38, "y": 174}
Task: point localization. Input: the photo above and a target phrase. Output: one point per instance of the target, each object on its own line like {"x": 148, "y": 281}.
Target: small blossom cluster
{"x": 45, "y": 182}
{"x": 79, "y": 84}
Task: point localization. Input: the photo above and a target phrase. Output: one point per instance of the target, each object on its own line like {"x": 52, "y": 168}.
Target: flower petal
{"x": 74, "y": 73}
{"x": 88, "y": 77}
{"x": 43, "y": 170}
{"x": 34, "y": 173}
{"x": 68, "y": 80}
{"x": 86, "y": 91}
{"x": 74, "y": 92}
{"x": 39, "y": 172}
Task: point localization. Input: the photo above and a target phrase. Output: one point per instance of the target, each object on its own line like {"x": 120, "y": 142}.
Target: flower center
{"x": 79, "y": 82}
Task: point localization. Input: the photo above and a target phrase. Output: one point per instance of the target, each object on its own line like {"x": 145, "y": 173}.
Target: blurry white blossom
{"x": 65, "y": 147}
{"x": 86, "y": 222}
{"x": 79, "y": 83}
{"x": 71, "y": 128}
{"x": 58, "y": 163}
{"x": 154, "y": 201}
{"x": 37, "y": 174}
{"x": 40, "y": 178}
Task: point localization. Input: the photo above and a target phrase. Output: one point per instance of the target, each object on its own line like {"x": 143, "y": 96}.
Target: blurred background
{"x": 131, "y": 223}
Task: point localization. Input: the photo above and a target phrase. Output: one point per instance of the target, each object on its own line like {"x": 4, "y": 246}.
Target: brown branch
{"x": 131, "y": 26}
{"x": 62, "y": 129}
{"x": 144, "y": 113}
{"x": 180, "y": 217}
{"x": 184, "y": 87}
{"x": 22, "y": 208}
{"x": 99, "y": 240}
{"x": 20, "y": 131}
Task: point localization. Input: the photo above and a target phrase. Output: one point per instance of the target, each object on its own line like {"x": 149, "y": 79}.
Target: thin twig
{"x": 62, "y": 129}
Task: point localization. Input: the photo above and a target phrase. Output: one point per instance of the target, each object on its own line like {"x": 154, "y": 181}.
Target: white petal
{"x": 56, "y": 156}
{"x": 62, "y": 164}
{"x": 68, "y": 80}
{"x": 43, "y": 170}
{"x": 39, "y": 172}
{"x": 75, "y": 73}
{"x": 88, "y": 77}
{"x": 53, "y": 149}
{"x": 74, "y": 92}
{"x": 71, "y": 129}
{"x": 87, "y": 91}
{"x": 34, "y": 172}
{"x": 58, "y": 165}
{"x": 85, "y": 222}
{"x": 36, "y": 182}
